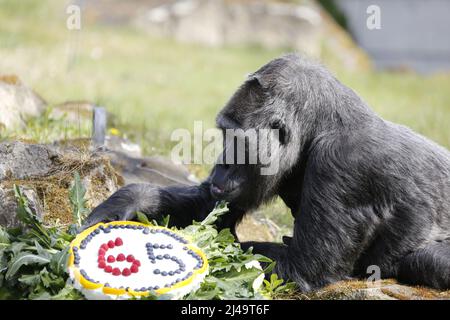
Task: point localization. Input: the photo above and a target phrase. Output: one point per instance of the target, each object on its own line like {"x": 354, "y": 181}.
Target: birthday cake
{"x": 125, "y": 259}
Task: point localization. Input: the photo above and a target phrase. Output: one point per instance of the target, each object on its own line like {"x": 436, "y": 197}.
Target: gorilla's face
{"x": 257, "y": 125}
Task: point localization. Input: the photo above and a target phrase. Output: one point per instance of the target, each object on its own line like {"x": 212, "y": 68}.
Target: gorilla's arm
{"x": 329, "y": 234}
{"x": 182, "y": 203}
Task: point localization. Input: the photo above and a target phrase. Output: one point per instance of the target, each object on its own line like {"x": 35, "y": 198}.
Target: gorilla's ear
{"x": 284, "y": 134}
{"x": 257, "y": 78}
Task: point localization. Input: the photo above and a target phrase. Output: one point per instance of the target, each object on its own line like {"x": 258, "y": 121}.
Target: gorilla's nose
{"x": 216, "y": 191}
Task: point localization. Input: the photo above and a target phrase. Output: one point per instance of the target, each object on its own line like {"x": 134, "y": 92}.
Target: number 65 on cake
{"x": 125, "y": 259}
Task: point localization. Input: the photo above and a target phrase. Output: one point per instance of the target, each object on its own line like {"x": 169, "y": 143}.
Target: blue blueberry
{"x": 157, "y": 271}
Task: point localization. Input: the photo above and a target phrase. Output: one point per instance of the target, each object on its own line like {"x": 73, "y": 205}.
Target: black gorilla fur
{"x": 363, "y": 191}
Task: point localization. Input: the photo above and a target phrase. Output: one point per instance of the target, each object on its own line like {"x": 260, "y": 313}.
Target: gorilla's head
{"x": 272, "y": 99}
{"x": 293, "y": 97}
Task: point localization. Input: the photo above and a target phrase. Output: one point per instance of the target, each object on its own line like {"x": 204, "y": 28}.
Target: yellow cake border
{"x": 85, "y": 283}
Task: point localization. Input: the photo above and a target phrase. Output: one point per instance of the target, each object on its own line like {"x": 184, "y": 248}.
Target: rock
{"x": 45, "y": 172}
{"x": 17, "y": 103}
{"x": 156, "y": 169}
{"x": 271, "y": 24}
{"x": 124, "y": 157}
{"x": 382, "y": 290}
{"x": 8, "y": 205}
{"x": 123, "y": 145}
{"x": 20, "y": 160}
{"x": 302, "y": 26}
{"x": 255, "y": 228}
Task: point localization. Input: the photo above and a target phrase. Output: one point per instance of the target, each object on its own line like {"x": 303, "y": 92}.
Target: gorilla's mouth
{"x": 224, "y": 194}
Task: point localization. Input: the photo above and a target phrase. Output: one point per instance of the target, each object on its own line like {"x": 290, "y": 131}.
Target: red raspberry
{"x": 111, "y": 259}
{"x": 101, "y": 258}
{"x": 101, "y": 252}
{"x": 104, "y": 247}
{"x": 102, "y": 264}
{"x": 111, "y": 244}
{"x": 130, "y": 258}
{"x": 126, "y": 272}
{"x": 108, "y": 269}
{"x": 120, "y": 257}
{"x": 116, "y": 272}
{"x": 136, "y": 262}
{"x": 118, "y": 242}
{"x": 134, "y": 268}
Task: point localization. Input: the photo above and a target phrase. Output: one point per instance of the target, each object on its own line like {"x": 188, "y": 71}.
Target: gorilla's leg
{"x": 428, "y": 266}
{"x": 315, "y": 256}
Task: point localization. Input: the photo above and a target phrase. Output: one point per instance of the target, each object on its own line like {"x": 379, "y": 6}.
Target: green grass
{"x": 154, "y": 86}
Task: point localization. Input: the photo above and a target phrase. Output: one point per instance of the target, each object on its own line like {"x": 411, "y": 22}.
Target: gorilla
{"x": 363, "y": 191}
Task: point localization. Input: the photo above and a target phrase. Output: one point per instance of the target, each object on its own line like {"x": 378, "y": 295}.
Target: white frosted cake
{"x": 125, "y": 259}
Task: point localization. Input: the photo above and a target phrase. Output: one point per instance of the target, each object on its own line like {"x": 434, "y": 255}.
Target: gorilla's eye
{"x": 282, "y": 132}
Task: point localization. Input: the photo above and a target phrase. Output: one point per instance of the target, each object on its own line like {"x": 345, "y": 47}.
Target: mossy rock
{"x": 48, "y": 171}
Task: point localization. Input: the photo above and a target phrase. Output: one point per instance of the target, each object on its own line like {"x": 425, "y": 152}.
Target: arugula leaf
{"x": 33, "y": 258}
{"x": 4, "y": 238}
{"x": 24, "y": 258}
{"x": 58, "y": 262}
{"x": 142, "y": 218}
{"x": 77, "y": 200}
{"x": 219, "y": 210}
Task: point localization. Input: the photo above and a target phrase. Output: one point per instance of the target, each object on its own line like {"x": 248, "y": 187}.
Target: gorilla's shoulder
{"x": 381, "y": 147}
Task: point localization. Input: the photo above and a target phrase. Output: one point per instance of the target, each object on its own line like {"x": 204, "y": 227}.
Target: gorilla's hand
{"x": 124, "y": 204}
{"x": 183, "y": 203}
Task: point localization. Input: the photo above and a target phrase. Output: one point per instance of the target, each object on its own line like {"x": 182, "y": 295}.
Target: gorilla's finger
{"x": 104, "y": 214}
{"x": 94, "y": 218}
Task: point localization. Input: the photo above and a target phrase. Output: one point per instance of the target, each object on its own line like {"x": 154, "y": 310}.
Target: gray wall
{"x": 413, "y": 34}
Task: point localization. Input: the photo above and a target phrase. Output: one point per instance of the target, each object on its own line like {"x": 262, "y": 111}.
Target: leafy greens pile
{"x": 33, "y": 258}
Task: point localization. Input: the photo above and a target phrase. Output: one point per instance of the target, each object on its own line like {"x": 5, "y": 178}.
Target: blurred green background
{"x": 153, "y": 85}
